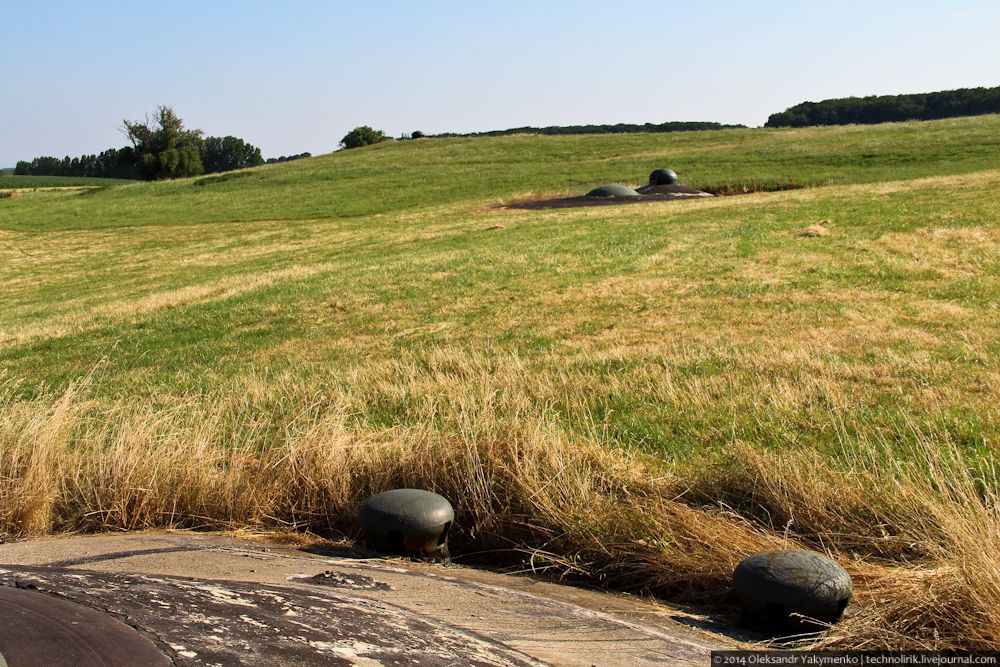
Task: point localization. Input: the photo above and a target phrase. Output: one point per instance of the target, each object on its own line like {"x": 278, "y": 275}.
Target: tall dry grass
{"x": 918, "y": 530}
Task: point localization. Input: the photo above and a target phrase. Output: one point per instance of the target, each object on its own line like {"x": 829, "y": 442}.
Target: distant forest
{"x": 161, "y": 148}
{"x": 620, "y": 128}
{"x": 890, "y": 108}
{"x": 217, "y": 154}
{"x": 112, "y": 163}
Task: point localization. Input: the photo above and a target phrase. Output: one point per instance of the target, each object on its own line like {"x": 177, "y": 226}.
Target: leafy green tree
{"x": 163, "y": 148}
{"x": 228, "y": 153}
{"x": 362, "y": 136}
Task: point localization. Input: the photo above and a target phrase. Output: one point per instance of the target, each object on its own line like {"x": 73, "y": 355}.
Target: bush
{"x": 362, "y": 136}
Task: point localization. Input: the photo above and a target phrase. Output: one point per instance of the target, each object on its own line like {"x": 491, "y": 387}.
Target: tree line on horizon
{"x": 840, "y": 111}
{"x": 287, "y": 158}
{"x": 160, "y": 148}
{"x": 617, "y": 128}
{"x": 365, "y": 136}
{"x": 890, "y": 108}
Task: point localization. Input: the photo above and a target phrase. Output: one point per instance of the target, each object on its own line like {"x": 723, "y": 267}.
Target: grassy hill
{"x": 638, "y": 395}
{"x": 8, "y": 181}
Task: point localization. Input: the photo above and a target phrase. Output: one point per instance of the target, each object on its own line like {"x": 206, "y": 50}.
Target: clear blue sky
{"x": 295, "y": 75}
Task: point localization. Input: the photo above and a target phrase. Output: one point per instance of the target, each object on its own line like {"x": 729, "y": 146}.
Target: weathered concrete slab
{"x": 216, "y": 600}
{"x": 231, "y": 623}
{"x": 41, "y": 629}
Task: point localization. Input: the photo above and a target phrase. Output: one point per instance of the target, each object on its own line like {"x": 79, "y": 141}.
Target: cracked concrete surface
{"x": 214, "y": 600}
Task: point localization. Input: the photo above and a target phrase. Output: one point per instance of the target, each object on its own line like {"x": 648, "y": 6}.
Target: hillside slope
{"x": 263, "y": 348}
{"x": 407, "y": 176}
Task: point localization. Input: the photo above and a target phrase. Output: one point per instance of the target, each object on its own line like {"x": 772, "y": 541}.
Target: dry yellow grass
{"x": 521, "y": 484}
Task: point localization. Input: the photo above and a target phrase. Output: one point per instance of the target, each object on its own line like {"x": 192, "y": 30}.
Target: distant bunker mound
{"x": 613, "y": 190}
{"x": 662, "y": 186}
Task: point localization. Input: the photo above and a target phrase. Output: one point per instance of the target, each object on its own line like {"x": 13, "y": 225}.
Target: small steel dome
{"x": 663, "y": 177}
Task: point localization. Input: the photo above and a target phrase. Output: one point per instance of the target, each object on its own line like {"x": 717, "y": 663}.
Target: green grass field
{"x": 388, "y": 252}
{"x": 706, "y": 342}
{"x": 8, "y": 181}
